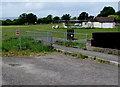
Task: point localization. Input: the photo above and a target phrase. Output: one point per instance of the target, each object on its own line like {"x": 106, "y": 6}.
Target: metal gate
{"x": 61, "y": 38}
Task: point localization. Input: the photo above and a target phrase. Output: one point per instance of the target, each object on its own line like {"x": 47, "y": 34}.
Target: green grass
{"x": 49, "y": 27}
{"x": 81, "y": 45}
{"x": 28, "y": 44}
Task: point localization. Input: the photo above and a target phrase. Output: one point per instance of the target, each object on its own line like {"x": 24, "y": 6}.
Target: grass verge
{"x": 12, "y": 47}
{"x": 81, "y": 45}
{"x": 82, "y": 56}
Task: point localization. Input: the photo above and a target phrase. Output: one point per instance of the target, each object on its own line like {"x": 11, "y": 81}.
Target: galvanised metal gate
{"x": 61, "y": 38}
{"x": 45, "y": 37}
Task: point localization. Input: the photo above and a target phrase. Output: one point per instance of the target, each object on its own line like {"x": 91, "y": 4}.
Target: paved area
{"x": 89, "y": 53}
{"x": 57, "y": 69}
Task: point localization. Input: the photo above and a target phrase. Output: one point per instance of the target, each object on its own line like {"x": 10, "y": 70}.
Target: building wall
{"x": 85, "y": 24}
{"x": 108, "y": 25}
{"x": 97, "y": 24}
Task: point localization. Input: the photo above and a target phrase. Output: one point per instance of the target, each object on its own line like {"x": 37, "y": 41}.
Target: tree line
{"x": 26, "y": 19}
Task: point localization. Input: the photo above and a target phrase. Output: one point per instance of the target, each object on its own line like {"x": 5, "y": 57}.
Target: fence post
{"x": 20, "y": 41}
{"x": 51, "y": 38}
{"x": 34, "y": 35}
{"x": 64, "y": 37}
{"x": 86, "y": 37}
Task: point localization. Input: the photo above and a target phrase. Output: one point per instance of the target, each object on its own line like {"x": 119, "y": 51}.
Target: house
{"x": 100, "y": 22}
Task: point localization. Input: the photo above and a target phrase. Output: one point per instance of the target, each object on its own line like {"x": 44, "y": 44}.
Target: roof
{"x": 104, "y": 19}
{"x": 75, "y": 21}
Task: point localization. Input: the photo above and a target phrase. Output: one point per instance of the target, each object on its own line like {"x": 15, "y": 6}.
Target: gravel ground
{"x": 56, "y": 69}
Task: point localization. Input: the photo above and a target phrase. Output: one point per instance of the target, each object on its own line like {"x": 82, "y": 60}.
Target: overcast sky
{"x": 42, "y": 9}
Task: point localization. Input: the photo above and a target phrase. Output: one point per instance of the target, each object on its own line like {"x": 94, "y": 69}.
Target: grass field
{"x": 49, "y": 27}
{"x": 10, "y": 30}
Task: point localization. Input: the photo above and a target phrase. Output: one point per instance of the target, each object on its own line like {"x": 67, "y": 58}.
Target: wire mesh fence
{"x": 48, "y": 37}
{"x": 76, "y": 40}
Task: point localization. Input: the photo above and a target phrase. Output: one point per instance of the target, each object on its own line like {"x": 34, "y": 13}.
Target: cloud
{"x": 29, "y": 5}
{"x": 13, "y": 9}
{"x": 41, "y": 9}
{"x": 59, "y": 0}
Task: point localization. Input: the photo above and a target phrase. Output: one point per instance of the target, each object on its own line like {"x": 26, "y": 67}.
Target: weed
{"x": 82, "y": 56}
{"x": 71, "y": 44}
{"x": 100, "y": 61}
{"x": 27, "y": 44}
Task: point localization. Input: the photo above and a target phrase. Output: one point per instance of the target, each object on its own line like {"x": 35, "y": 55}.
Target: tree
{"x": 90, "y": 17}
{"x": 31, "y": 18}
{"x": 83, "y": 16}
{"x": 0, "y": 22}
{"x": 106, "y": 11}
{"x": 28, "y": 18}
{"x": 66, "y": 17}
{"x": 117, "y": 18}
{"x": 23, "y": 18}
{"x": 49, "y": 19}
{"x": 43, "y": 20}
{"x": 7, "y": 22}
{"x": 56, "y": 19}
{"x": 39, "y": 20}
{"x": 17, "y": 22}
{"x": 73, "y": 18}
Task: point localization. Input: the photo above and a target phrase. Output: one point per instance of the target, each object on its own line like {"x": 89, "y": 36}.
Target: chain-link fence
{"x": 77, "y": 40}
{"x": 49, "y": 37}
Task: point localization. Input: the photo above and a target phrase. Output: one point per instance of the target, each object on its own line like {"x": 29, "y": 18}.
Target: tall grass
{"x": 81, "y": 45}
{"x": 27, "y": 44}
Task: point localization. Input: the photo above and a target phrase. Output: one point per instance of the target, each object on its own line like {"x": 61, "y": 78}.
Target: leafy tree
{"x": 49, "y": 16}
{"x": 66, "y": 17}
{"x": 106, "y": 11}
{"x": 39, "y": 20}
{"x": 49, "y": 19}
{"x": 44, "y": 20}
{"x": 17, "y": 22}
{"x": 31, "y": 18}
{"x": 117, "y": 18}
{"x": 23, "y": 18}
{"x": 7, "y": 22}
{"x": 0, "y": 22}
{"x": 56, "y": 19}
{"x": 73, "y": 18}
{"x": 83, "y": 16}
{"x": 28, "y": 18}
{"x": 90, "y": 18}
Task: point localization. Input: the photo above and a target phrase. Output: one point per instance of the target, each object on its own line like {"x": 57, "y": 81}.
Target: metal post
{"x": 34, "y": 35}
{"x": 86, "y": 40}
{"x": 64, "y": 37}
{"x": 20, "y": 41}
{"x": 51, "y": 38}
{"x": 86, "y": 37}
{"x": 48, "y": 34}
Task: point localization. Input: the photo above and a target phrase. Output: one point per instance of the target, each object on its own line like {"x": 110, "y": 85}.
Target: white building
{"x": 100, "y": 22}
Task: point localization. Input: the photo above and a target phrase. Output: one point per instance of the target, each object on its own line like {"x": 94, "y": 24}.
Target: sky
{"x": 42, "y": 9}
